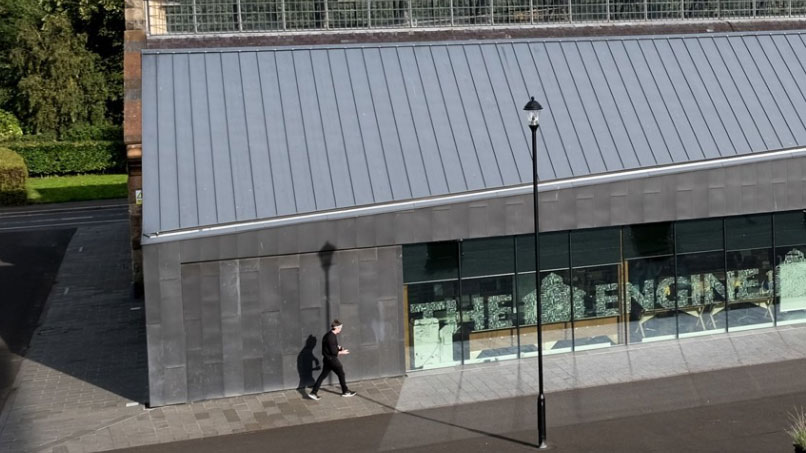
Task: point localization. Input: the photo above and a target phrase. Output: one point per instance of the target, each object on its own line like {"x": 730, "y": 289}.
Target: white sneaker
{"x": 348, "y": 394}
{"x": 313, "y": 396}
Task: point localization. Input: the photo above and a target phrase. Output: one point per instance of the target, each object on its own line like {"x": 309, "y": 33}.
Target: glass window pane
{"x": 433, "y": 325}
{"x": 650, "y": 285}
{"x": 555, "y": 292}
{"x": 647, "y": 240}
{"x": 494, "y": 256}
{"x": 699, "y": 235}
{"x": 488, "y": 319}
{"x": 790, "y": 274}
{"x": 790, "y": 228}
{"x": 592, "y": 247}
{"x": 749, "y": 283}
{"x": 429, "y": 262}
{"x": 701, "y": 293}
{"x": 748, "y": 232}
{"x": 597, "y": 312}
{"x": 553, "y": 251}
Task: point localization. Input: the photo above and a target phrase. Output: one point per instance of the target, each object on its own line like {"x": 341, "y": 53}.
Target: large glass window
{"x": 597, "y": 308}
{"x": 749, "y": 272}
{"x": 488, "y": 325}
{"x": 555, "y": 290}
{"x": 432, "y": 336}
{"x": 701, "y": 290}
{"x": 790, "y": 266}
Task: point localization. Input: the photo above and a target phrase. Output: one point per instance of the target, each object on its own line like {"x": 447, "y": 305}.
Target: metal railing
{"x": 236, "y": 16}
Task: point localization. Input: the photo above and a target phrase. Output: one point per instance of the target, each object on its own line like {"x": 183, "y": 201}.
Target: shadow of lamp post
{"x": 326, "y": 259}
{"x": 533, "y": 109}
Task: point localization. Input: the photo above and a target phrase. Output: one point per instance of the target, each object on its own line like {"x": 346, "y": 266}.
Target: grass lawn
{"x": 56, "y": 189}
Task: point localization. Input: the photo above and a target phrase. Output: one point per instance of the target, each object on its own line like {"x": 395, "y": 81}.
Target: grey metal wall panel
{"x": 185, "y": 154}
{"x": 156, "y": 366}
{"x": 785, "y": 89}
{"x": 175, "y": 384}
{"x": 222, "y": 167}
{"x": 150, "y": 125}
{"x": 272, "y": 370}
{"x": 289, "y": 309}
{"x": 233, "y": 355}
{"x": 201, "y": 141}
{"x": 312, "y": 278}
{"x": 166, "y": 146}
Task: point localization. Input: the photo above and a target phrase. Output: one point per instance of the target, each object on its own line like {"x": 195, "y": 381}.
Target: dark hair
{"x": 335, "y": 323}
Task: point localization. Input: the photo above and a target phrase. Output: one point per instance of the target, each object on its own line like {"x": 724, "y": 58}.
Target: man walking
{"x": 330, "y": 358}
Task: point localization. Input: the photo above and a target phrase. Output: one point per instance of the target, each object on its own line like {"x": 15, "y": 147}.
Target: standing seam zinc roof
{"x": 245, "y": 134}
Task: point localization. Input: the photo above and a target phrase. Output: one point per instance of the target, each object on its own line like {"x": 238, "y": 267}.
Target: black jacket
{"x": 330, "y": 346}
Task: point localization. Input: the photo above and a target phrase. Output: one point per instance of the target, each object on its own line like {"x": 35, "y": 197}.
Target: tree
{"x": 61, "y": 82}
{"x": 14, "y": 15}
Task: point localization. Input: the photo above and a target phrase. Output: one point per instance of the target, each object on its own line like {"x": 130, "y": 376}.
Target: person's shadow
{"x": 306, "y": 364}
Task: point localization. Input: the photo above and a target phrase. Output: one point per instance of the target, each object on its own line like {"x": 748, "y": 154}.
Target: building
{"x": 389, "y": 185}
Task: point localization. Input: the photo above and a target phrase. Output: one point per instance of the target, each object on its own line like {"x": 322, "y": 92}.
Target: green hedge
{"x": 12, "y": 178}
{"x": 82, "y": 133}
{"x": 63, "y": 158}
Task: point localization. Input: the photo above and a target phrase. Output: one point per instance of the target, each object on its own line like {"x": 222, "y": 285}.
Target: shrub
{"x": 797, "y": 430}
{"x": 62, "y": 158}
{"x": 9, "y": 126}
{"x": 87, "y": 132}
{"x": 13, "y": 175}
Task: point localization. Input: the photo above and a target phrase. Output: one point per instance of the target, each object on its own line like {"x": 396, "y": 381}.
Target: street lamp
{"x": 533, "y": 109}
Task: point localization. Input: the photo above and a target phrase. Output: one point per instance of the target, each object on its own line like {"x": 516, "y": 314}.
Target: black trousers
{"x": 328, "y": 366}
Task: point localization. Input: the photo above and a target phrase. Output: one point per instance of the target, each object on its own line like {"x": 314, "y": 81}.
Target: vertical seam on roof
{"x": 431, "y": 122}
{"x": 304, "y": 134}
{"x": 500, "y": 113}
{"x": 210, "y": 133}
{"x": 498, "y": 49}
{"x": 694, "y": 97}
{"x": 618, "y": 105}
{"x": 755, "y": 93}
{"x": 665, "y": 103}
{"x": 322, "y": 122}
{"x": 447, "y": 112}
{"x": 175, "y": 150}
{"x": 791, "y": 75}
{"x": 341, "y": 128}
{"x": 483, "y": 115}
{"x": 646, "y": 98}
{"x": 601, "y": 109}
{"x": 266, "y": 133}
{"x": 193, "y": 146}
{"x": 632, "y": 103}
{"x": 285, "y": 134}
{"x": 542, "y": 137}
{"x": 719, "y": 83}
{"x": 582, "y": 103}
{"x": 710, "y": 98}
{"x": 226, "y": 128}
{"x": 767, "y": 85}
{"x": 157, "y": 141}
{"x": 360, "y": 129}
{"x": 724, "y": 95}
{"x": 414, "y": 124}
{"x": 394, "y": 120}
{"x": 548, "y": 106}
{"x": 567, "y": 110}
{"x": 378, "y": 125}
{"x": 470, "y": 133}
{"x": 248, "y": 144}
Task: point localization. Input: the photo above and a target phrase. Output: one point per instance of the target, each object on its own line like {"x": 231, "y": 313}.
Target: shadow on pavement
{"x": 29, "y": 263}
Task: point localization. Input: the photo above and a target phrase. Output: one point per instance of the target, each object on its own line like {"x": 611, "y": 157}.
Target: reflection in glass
{"x": 749, "y": 287}
{"x": 555, "y": 296}
{"x": 488, "y": 327}
{"x": 701, "y": 293}
{"x": 650, "y": 288}
{"x": 596, "y": 307}
{"x": 790, "y": 273}
{"x": 433, "y": 325}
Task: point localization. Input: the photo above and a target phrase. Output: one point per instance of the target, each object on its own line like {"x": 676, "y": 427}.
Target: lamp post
{"x": 533, "y": 109}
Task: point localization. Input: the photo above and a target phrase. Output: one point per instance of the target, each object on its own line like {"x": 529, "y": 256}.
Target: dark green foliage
{"x": 9, "y": 126}
{"x": 85, "y": 132}
{"x": 13, "y": 175}
{"x": 62, "y": 158}
{"x": 62, "y": 83}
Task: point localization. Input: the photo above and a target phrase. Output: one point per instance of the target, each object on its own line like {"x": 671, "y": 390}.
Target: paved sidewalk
{"x": 85, "y": 372}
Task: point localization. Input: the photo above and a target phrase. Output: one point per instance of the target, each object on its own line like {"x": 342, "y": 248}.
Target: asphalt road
{"x": 739, "y": 410}
{"x": 33, "y": 241}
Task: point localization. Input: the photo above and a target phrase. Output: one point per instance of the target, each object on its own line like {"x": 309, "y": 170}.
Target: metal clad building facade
{"x": 281, "y": 184}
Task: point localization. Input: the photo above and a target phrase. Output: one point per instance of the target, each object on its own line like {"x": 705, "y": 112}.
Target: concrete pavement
{"x": 83, "y": 381}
